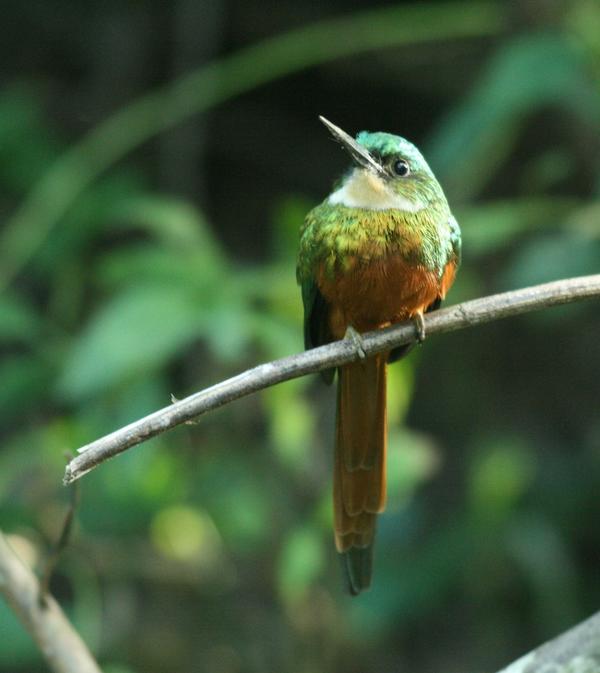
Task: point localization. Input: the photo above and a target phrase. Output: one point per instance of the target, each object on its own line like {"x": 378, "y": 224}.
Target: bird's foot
{"x": 357, "y": 341}
{"x": 176, "y": 399}
{"x": 419, "y": 323}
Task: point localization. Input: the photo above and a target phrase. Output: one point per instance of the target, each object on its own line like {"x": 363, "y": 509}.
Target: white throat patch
{"x": 365, "y": 190}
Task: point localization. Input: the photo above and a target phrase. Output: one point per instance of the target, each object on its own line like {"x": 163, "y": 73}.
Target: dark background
{"x": 149, "y": 248}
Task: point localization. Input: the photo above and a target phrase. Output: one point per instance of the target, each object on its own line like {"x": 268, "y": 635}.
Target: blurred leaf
{"x": 134, "y": 293}
{"x": 276, "y": 318}
{"x": 222, "y": 314}
{"x": 117, "y": 668}
{"x": 227, "y": 325}
{"x": 300, "y": 562}
{"x": 291, "y": 422}
{"x": 412, "y": 459}
{"x": 186, "y": 534}
{"x": 585, "y": 220}
{"x": 136, "y": 332}
{"x": 528, "y": 73}
{"x": 175, "y": 223}
{"x": 18, "y": 321}
{"x": 87, "y": 222}
{"x": 133, "y": 399}
{"x": 85, "y": 609}
{"x": 401, "y": 380}
{"x": 583, "y": 23}
{"x": 246, "y": 522}
{"x": 413, "y": 583}
{"x": 545, "y": 558}
{"x": 195, "y": 92}
{"x": 24, "y": 381}
{"x": 288, "y": 217}
{"x": 240, "y": 501}
{"x": 276, "y": 336}
{"x": 491, "y": 226}
{"x": 31, "y": 455}
{"x": 500, "y": 475}
{"x": 552, "y": 257}
{"x": 27, "y": 146}
{"x": 149, "y": 263}
{"x": 163, "y": 478}
{"x": 548, "y": 170}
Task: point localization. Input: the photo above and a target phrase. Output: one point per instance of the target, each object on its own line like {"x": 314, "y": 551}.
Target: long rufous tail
{"x": 359, "y": 472}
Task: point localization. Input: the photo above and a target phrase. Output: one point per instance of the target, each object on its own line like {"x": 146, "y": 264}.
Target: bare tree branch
{"x": 42, "y": 616}
{"x": 575, "y": 651}
{"x": 460, "y": 316}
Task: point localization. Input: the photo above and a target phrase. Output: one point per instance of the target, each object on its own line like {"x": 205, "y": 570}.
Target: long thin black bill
{"x": 358, "y": 153}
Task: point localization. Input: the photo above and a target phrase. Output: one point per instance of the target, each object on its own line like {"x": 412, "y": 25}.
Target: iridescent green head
{"x": 389, "y": 173}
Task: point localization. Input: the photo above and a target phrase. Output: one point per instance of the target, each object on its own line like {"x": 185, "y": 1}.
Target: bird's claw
{"x": 419, "y": 323}
{"x": 357, "y": 341}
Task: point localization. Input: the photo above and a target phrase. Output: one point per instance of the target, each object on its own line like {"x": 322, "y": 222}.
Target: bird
{"x": 382, "y": 248}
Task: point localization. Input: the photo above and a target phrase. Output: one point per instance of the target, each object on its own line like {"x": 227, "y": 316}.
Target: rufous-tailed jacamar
{"x": 382, "y": 248}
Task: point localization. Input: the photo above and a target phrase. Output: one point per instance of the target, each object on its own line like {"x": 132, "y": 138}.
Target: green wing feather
{"x": 316, "y": 324}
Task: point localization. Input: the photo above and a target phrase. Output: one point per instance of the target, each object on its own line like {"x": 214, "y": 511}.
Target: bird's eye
{"x": 401, "y": 168}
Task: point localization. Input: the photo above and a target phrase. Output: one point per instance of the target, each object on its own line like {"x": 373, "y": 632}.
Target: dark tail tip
{"x": 357, "y": 563}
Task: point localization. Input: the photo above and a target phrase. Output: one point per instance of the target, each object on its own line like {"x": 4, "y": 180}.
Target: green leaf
{"x": 136, "y": 332}
{"x": 527, "y": 74}
{"x": 561, "y": 255}
{"x": 27, "y": 146}
{"x": 301, "y": 560}
{"x": 400, "y": 388}
{"x": 277, "y": 337}
{"x": 491, "y": 226}
{"x": 24, "y": 381}
{"x": 292, "y": 422}
{"x": 85, "y": 223}
{"x": 174, "y": 222}
{"x": 542, "y": 551}
{"x": 288, "y": 217}
{"x": 149, "y": 263}
{"x": 187, "y": 534}
{"x": 117, "y": 668}
{"x": 18, "y": 321}
{"x": 412, "y": 460}
{"x": 500, "y": 475}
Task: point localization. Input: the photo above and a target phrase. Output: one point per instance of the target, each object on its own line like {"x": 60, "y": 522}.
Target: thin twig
{"x": 60, "y": 644}
{"x": 456, "y": 317}
{"x": 61, "y": 544}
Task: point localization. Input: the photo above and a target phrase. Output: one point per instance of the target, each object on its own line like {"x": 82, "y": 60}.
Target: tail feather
{"x": 357, "y": 565}
{"x": 359, "y": 488}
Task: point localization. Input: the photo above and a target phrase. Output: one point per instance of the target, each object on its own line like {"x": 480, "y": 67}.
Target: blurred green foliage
{"x": 137, "y": 275}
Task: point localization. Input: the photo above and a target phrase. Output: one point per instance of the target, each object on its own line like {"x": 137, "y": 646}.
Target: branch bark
{"x": 575, "y": 651}
{"x": 60, "y": 644}
{"x": 460, "y": 316}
